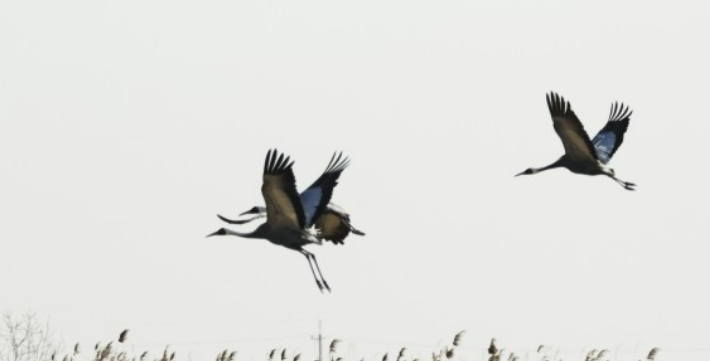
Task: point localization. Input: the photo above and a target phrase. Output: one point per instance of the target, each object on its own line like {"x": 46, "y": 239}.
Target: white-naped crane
{"x": 582, "y": 155}
{"x": 286, "y": 216}
{"x": 333, "y": 223}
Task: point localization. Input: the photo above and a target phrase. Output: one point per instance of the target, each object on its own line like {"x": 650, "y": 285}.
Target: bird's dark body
{"x": 290, "y": 238}
{"x": 333, "y": 224}
{"x": 586, "y": 168}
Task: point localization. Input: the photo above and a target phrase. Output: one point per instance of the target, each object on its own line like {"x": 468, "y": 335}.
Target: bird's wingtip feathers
{"x": 337, "y": 163}
{"x": 619, "y": 112}
{"x": 557, "y": 104}
{"x": 276, "y": 162}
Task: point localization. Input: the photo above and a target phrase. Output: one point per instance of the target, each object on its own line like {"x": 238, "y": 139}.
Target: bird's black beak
{"x": 521, "y": 173}
{"x": 220, "y": 232}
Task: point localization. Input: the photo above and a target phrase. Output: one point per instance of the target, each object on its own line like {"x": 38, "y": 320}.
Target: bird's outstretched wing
{"x": 569, "y": 129}
{"x": 283, "y": 207}
{"x": 316, "y": 197}
{"x": 332, "y": 227}
{"x": 609, "y": 139}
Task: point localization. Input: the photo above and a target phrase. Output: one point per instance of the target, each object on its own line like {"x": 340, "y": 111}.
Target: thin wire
{"x": 214, "y": 342}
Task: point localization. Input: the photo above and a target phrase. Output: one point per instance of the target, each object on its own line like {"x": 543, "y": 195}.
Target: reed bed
{"x": 115, "y": 350}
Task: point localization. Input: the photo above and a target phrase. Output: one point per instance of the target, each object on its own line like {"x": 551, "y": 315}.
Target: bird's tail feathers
{"x": 352, "y": 229}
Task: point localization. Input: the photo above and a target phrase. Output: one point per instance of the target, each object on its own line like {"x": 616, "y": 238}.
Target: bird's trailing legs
{"x": 325, "y": 283}
{"x": 309, "y": 257}
{"x": 627, "y": 185}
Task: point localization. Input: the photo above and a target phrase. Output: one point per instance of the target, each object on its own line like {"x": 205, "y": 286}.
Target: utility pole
{"x": 320, "y": 340}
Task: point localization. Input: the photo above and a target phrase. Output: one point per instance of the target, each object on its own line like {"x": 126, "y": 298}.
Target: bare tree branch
{"x": 26, "y": 338}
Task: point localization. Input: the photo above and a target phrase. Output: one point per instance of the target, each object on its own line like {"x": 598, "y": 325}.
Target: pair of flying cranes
{"x": 294, "y": 220}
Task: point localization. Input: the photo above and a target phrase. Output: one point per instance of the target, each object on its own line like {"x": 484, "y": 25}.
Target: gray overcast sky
{"x": 126, "y": 126}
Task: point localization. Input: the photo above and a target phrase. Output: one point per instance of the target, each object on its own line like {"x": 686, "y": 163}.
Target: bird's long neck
{"x": 558, "y": 163}
{"x": 255, "y": 234}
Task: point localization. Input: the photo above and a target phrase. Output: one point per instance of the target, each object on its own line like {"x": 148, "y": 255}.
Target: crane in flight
{"x": 333, "y": 224}
{"x": 582, "y": 155}
{"x": 289, "y": 220}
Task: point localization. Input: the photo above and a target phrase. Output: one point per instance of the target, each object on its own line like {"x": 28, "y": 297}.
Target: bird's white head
{"x": 255, "y": 210}
{"x": 220, "y": 232}
{"x": 527, "y": 172}
{"x": 257, "y": 233}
